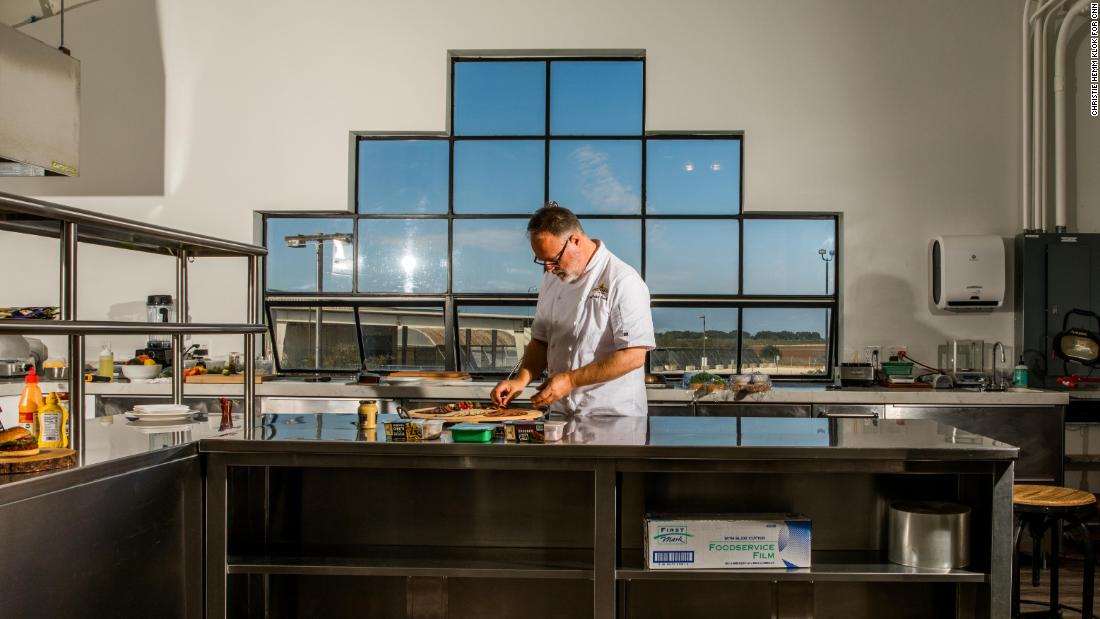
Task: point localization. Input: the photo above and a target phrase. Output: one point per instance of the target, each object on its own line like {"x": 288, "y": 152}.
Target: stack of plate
{"x": 149, "y": 414}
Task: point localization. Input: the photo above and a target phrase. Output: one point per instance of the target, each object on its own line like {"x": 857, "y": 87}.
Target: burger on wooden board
{"x": 17, "y": 442}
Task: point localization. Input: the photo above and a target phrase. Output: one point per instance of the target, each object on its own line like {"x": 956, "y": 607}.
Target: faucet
{"x": 998, "y": 381}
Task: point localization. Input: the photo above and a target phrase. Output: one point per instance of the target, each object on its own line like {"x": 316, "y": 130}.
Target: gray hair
{"x": 556, "y": 220}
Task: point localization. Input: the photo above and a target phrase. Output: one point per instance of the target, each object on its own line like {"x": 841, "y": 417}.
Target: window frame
{"x": 451, "y": 299}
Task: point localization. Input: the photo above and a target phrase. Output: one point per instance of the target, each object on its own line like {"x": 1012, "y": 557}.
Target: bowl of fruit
{"x": 141, "y": 367}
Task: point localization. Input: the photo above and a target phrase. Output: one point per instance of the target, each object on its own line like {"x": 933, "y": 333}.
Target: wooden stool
{"x": 1041, "y": 508}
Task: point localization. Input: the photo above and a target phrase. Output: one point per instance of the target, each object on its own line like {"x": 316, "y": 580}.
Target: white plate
{"x": 164, "y": 416}
{"x": 403, "y": 379}
{"x": 161, "y": 408}
{"x": 158, "y": 427}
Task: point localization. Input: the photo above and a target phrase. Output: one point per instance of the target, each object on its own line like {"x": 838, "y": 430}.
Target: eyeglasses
{"x": 556, "y": 259}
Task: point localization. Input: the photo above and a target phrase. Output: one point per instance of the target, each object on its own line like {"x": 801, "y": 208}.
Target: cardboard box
{"x": 727, "y": 541}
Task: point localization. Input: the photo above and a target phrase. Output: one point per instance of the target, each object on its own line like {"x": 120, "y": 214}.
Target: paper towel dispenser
{"x": 968, "y": 272}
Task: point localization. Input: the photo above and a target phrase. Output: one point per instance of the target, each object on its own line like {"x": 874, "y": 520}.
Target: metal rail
{"x": 72, "y": 226}
{"x": 177, "y": 336}
{"x": 252, "y": 314}
{"x": 30, "y": 216}
{"x": 103, "y": 327}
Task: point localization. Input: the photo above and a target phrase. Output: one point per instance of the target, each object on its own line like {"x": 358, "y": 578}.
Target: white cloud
{"x": 599, "y": 185}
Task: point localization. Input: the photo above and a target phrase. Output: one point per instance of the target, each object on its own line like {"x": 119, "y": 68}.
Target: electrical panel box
{"x": 1055, "y": 273}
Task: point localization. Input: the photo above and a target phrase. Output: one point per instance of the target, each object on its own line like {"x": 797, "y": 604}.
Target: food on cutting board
{"x": 17, "y": 442}
{"x": 458, "y": 410}
{"x": 194, "y": 371}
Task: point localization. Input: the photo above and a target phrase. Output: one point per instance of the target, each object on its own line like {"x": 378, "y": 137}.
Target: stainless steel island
{"x": 117, "y": 535}
{"x": 308, "y": 516}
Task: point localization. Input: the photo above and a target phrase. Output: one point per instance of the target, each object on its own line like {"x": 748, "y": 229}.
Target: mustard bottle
{"x": 52, "y": 421}
{"x": 368, "y": 414}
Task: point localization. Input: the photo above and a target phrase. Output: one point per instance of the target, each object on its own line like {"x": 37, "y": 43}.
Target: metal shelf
{"x": 103, "y": 327}
{"x": 454, "y": 562}
{"x": 73, "y": 226}
{"x": 826, "y": 567}
{"x": 40, "y": 218}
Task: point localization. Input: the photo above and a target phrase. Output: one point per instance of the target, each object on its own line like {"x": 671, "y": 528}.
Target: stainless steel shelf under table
{"x": 452, "y": 529}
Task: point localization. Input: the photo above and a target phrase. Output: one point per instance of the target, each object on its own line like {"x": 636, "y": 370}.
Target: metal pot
{"x": 930, "y": 534}
{"x": 55, "y": 373}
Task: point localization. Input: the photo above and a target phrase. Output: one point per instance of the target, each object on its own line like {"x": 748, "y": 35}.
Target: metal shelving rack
{"x": 72, "y": 226}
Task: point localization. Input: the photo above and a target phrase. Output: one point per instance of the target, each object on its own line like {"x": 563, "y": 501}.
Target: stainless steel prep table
{"x": 309, "y": 517}
{"x": 119, "y": 534}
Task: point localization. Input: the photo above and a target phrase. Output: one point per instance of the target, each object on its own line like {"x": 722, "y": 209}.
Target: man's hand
{"x": 555, "y": 388}
{"x": 506, "y": 390}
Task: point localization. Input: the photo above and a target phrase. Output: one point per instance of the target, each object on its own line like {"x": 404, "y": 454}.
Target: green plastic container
{"x": 472, "y": 432}
{"x": 897, "y": 368}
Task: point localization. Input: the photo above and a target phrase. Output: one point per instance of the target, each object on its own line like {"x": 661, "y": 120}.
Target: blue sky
{"x": 500, "y": 98}
{"x": 687, "y": 319}
{"x": 295, "y": 269}
{"x": 597, "y": 177}
{"x": 403, "y": 255}
{"x": 591, "y": 177}
{"x": 493, "y": 255}
{"x": 692, "y": 256}
{"x": 403, "y": 176}
{"x": 622, "y": 237}
{"x": 596, "y": 98}
{"x": 701, "y": 177}
{"x": 586, "y": 98}
{"x": 499, "y": 176}
{"x": 781, "y": 256}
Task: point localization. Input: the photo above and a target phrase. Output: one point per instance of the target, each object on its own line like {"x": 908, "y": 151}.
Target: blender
{"x": 159, "y": 308}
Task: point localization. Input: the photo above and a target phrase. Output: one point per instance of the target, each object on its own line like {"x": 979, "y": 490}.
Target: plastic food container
{"x": 404, "y": 431}
{"x": 553, "y": 430}
{"x": 433, "y": 428}
{"x": 897, "y": 368}
{"x": 524, "y": 432}
{"x": 472, "y": 433}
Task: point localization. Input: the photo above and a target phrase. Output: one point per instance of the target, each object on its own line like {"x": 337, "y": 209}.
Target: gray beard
{"x": 568, "y": 277}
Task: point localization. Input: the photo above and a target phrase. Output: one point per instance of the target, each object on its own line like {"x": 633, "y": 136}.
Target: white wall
{"x": 902, "y": 115}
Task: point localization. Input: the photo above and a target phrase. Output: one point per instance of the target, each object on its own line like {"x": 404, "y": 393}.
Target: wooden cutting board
{"x": 432, "y": 375}
{"x": 514, "y": 414}
{"x": 220, "y": 379}
{"x": 45, "y": 460}
{"x": 916, "y": 385}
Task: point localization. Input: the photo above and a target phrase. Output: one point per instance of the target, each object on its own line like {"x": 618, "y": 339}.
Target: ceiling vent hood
{"x": 39, "y": 107}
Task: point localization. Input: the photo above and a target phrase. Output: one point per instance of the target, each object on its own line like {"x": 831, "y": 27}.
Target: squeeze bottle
{"x": 30, "y": 401}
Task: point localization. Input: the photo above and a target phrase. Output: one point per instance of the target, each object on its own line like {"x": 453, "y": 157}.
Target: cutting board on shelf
{"x": 46, "y": 459}
{"x": 431, "y": 375}
{"x": 221, "y": 379}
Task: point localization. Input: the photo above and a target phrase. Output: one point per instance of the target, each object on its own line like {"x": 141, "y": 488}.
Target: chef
{"x": 592, "y": 325}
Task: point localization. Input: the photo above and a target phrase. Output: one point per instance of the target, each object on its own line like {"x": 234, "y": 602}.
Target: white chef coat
{"x": 605, "y": 310}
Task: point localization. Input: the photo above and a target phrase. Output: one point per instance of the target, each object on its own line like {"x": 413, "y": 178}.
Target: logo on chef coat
{"x": 599, "y": 292}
